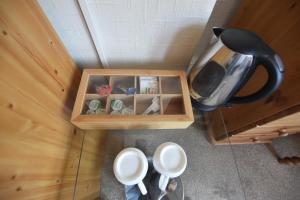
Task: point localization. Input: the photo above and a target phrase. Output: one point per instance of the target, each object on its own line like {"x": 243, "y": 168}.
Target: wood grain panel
{"x": 25, "y": 29}
{"x": 278, "y": 23}
{"x": 88, "y": 181}
{"x": 39, "y": 147}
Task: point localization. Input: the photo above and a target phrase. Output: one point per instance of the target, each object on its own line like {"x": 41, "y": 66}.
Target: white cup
{"x": 170, "y": 161}
{"x": 130, "y": 168}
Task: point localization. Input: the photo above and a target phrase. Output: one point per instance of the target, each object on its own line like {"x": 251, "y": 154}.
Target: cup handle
{"x": 163, "y": 182}
{"x": 142, "y": 188}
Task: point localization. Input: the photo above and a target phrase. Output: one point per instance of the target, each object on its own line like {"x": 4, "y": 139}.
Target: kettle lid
{"x": 243, "y": 41}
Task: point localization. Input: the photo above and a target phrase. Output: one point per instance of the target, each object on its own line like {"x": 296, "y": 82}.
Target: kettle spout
{"x": 217, "y": 31}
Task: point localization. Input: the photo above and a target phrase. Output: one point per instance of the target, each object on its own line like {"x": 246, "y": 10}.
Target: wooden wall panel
{"x": 278, "y": 23}
{"x": 39, "y": 148}
{"x": 27, "y": 31}
{"x": 88, "y": 181}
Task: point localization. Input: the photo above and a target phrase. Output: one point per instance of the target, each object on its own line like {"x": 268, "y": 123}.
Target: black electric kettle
{"x": 228, "y": 65}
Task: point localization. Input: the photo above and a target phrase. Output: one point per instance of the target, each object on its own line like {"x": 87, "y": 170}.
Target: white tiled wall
{"x": 66, "y": 18}
{"x": 132, "y": 33}
{"x": 149, "y": 33}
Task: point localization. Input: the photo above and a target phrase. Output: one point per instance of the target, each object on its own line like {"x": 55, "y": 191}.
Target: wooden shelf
{"x": 170, "y": 85}
{"x": 128, "y": 101}
{"x": 121, "y": 81}
{"x": 144, "y": 101}
{"x": 172, "y": 93}
{"x": 172, "y": 105}
{"x": 96, "y": 80}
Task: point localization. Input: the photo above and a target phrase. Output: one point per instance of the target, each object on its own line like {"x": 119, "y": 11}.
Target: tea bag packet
{"x": 100, "y": 111}
{"x": 90, "y": 112}
{"x": 117, "y": 90}
{"x": 127, "y": 111}
{"x": 94, "y": 104}
{"x": 148, "y": 85}
{"x": 116, "y": 112}
{"x": 154, "y": 107}
{"x": 104, "y": 90}
{"x": 125, "y": 90}
{"x": 130, "y": 91}
{"x": 117, "y": 105}
{"x": 95, "y": 107}
{"x": 119, "y": 108}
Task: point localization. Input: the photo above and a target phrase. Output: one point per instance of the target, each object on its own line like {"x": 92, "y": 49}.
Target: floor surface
{"x": 240, "y": 172}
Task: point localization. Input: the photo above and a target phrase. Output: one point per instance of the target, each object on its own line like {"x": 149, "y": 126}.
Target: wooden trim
{"x": 186, "y": 96}
{"x": 83, "y": 4}
{"x": 129, "y": 118}
{"x": 276, "y": 116}
{"x": 234, "y": 142}
{"x": 91, "y": 163}
{"x": 80, "y": 95}
{"x": 134, "y": 72}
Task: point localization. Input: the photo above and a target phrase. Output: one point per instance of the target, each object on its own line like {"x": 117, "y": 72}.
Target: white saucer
{"x": 130, "y": 166}
{"x": 170, "y": 159}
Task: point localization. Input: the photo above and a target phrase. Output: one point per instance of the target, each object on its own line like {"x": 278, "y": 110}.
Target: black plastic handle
{"x": 275, "y": 70}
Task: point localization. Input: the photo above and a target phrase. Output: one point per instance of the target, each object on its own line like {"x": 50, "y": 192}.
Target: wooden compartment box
{"x": 168, "y": 89}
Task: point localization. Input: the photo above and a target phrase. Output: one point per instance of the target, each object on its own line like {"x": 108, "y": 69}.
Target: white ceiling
{"x": 131, "y": 33}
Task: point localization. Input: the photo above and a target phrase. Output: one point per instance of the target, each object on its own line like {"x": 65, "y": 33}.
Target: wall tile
{"x": 152, "y": 34}
{"x": 65, "y": 17}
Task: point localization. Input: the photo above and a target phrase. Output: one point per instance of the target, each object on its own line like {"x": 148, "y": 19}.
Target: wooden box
{"x": 171, "y": 93}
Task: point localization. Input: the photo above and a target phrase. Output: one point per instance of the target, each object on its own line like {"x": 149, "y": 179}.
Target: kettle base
{"x": 199, "y": 106}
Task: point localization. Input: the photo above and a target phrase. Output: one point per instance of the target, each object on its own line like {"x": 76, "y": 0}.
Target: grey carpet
{"x": 211, "y": 173}
{"x": 262, "y": 177}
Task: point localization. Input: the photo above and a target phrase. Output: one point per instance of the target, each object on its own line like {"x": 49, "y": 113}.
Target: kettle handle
{"x": 275, "y": 69}
{"x": 217, "y": 31}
